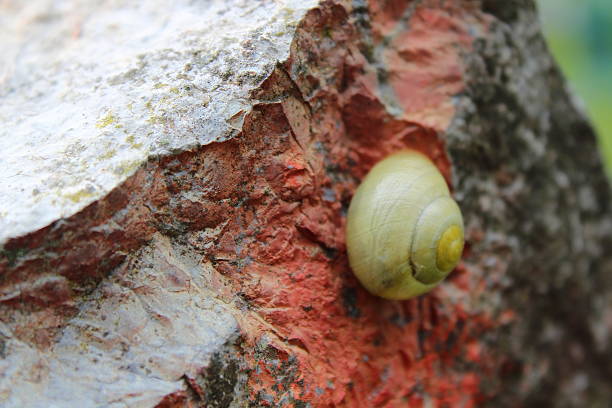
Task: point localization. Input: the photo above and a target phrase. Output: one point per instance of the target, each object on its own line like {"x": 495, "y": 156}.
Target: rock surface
{"x": 90, "y": 91}
{"x": 202, "y": 263}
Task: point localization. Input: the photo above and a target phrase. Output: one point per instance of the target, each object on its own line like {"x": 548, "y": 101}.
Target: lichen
{"x": 132, "y": 142}
{"x": 79, "y": 195}
{"x": 108, "y": 154}
{"x": 108, "y": 119}
{"x": 127, "y": 167}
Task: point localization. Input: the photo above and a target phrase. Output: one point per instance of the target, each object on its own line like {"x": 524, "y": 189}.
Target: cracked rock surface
{"x": 173, "y": 191}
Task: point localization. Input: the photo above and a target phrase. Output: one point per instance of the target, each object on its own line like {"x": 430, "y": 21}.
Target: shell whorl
{"x": 404, "y": 231}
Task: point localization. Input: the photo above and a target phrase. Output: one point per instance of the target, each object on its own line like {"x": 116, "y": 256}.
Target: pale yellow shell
{"x": 404, "y": 231}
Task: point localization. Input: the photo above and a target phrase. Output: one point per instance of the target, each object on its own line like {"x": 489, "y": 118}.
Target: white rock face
{"x": 130, "y": 344}
{"x": 90, "y": 90}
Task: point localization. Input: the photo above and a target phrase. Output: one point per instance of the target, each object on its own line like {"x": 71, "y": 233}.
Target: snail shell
{"x": 404, "y": 231}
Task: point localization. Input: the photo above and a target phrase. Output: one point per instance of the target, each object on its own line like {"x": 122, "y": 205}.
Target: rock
{"x": 173, "y": 217}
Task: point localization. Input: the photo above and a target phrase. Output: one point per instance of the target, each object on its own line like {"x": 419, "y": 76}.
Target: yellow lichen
{"x": 79, "y": 195}
{"x": 106, "y": 120}
{"x": 132, "y": 141}
{"x": 156, "y": 119}
{"x": 109, "y": 153}
{"x": 127, "y": 167}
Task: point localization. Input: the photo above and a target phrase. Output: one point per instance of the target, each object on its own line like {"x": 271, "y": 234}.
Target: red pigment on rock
{"x": 313, "y": 334}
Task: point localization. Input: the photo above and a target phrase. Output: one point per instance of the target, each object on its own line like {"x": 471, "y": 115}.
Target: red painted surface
{"x": 312, "y": 333}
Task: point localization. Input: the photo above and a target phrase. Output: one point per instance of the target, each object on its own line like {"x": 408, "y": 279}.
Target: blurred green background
{"x": 579, "y": 33}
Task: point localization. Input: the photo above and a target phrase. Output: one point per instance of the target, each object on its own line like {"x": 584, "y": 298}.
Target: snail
{"x": 404, "y": 232}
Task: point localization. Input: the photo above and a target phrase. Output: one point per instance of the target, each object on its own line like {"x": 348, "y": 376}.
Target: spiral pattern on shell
{"x": 404, "y": 231}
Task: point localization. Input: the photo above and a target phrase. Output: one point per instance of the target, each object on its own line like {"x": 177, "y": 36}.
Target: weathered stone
{"x": 90, "y": 92}
{"x": 213, "y": 272}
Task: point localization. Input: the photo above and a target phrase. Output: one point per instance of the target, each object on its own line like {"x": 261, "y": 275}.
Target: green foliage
{"x": 580, "y": 37}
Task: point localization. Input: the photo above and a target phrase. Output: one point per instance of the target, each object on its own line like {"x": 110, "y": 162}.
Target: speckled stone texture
{"x": 214, "y": 273}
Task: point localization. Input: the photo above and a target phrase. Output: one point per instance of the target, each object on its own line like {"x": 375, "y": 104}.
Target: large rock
{"x": 174, "y": 189}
